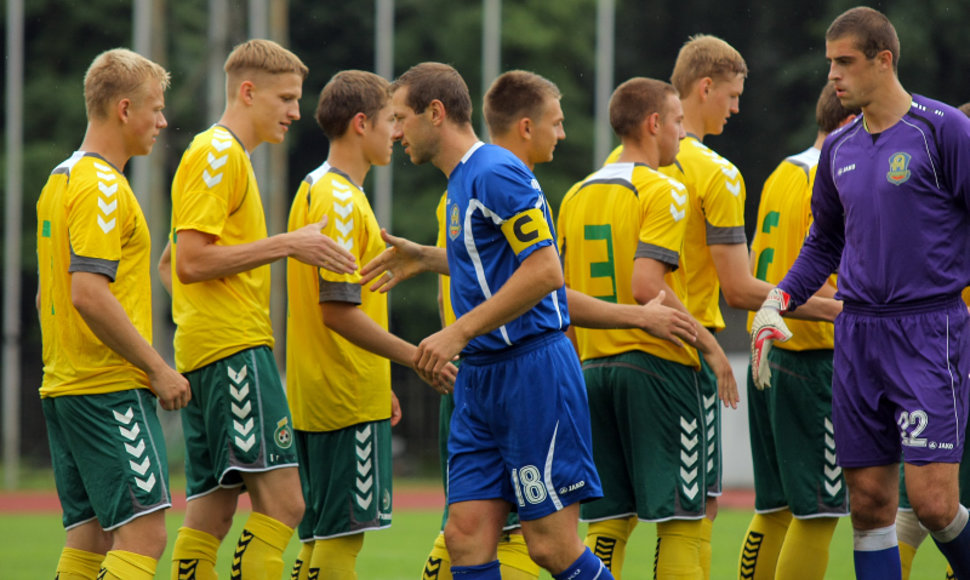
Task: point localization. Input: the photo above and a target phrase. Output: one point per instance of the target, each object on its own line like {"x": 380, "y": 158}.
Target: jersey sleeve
{"x": 723, "y": 205}
{"x": 822, "y": 251}
{"x": 663, "y": 222}
{"x": 95, "y": 223}
{"x": 210, "y": 190}
{"x": 955, "y": 136}
{"x": 519, "y": 207}
{"x": 347, "y": 226}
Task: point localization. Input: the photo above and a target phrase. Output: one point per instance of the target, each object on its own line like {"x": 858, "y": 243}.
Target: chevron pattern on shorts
{"x": 242, "y": 409}
{"x": 138, "y": 460}
{"x": 689, "y": 457}
{"x": 833, "y": 473}
{"x": 364, "y": 443}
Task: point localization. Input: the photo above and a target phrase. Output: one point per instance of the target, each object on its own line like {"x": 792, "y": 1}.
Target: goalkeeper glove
{"x": 766, "y": 328}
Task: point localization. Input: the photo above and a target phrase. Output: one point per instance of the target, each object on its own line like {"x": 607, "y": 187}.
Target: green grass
{"x": 30, "y": 544}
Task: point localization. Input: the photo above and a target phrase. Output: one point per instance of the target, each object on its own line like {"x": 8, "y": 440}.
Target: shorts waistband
{"x": 917, "y": 307}
{"x": 514, "y": 351}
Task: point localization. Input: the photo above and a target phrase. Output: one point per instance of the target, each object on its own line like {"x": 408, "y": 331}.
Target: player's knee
{"x": 291, "y": 512}
{"x": 934, "y": 511}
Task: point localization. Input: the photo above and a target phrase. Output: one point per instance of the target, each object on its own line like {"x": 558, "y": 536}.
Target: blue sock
{"x": 876, "y": 554}
{"x": 489, "y": 571}
{"x": 586, "y": 567}
{"x": 954, "y": 542}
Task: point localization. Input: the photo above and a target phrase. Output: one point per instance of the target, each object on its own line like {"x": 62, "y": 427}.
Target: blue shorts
{"x": 900, "y": 384}
{"x": 520, "y": 430}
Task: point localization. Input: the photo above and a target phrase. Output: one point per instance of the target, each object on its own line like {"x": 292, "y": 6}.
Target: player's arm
{"x": 350, "y": 322}
{"x": 537, "y": 275}
{"x": 743, "y": 291}
{"x": 165, "y": 267}
{"x": 653, "y": 316}
{"x": 91, "y": 296}
{"x": 200, "y": 258}
{"x": 402, "y": 260}
{"x": 648, "y": 282}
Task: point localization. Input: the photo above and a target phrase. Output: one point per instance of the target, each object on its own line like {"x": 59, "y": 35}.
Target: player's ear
{"x": 438, "y": 112}
{"x": 246, "y": 92}
{"x": 704, "y": 87}
{"x": 359, "y": 123}
{"x": 525, "y": 128}
{"x": 123, "y": 109}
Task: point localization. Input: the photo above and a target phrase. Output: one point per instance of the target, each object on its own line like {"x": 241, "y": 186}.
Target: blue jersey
{"x": 891, "y": 211}
{"x": 496, "y": 216}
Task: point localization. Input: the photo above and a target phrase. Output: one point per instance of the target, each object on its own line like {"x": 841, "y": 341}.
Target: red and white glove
{"x": 767, "y": 327}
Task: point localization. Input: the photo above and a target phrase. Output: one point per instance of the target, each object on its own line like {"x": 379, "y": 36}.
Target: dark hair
{"x": 430, "y": 81}
{"x": 873, "y": 32}
{"x": 350, "y": 92}
{"x": 513, "y": 95}
{"x": 635, "y": 100}
{"x": 829, "y": 112}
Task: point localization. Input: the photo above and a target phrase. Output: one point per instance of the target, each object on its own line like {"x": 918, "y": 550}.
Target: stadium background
{"x": 782, "y": 42}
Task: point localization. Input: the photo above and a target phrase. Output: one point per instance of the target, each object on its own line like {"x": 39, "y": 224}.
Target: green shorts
{"x": 445, "y": 409}
{"x": 109, "y": 456}
{"x": 237, "y": 421}
{"x": 648, "y": 438}
{"x": 346, "y": 480}
{"x": 792, "y": 440}
{"x": 707, "y": 381}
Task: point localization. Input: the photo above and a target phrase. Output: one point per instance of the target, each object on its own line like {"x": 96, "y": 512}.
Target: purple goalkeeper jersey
{"x": 891, "y": 211}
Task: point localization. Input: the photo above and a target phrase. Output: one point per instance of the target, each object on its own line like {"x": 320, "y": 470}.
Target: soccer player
{"x": 790, "y": 424}
{"x": 890, "y": 206}
{"x": 101, "y": 374}
{"x": 338, "y": 373}
{"x": 709, "y": 75}
{"x": 520, "y": 432}
{"x": 238, "y": 429}
{"x": 621, "y": 230}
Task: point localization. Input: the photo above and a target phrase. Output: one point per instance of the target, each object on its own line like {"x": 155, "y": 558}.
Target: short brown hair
{"x": 514, "y": 95}
{"x": 635, "y": 100}
{"x": 261, "y": 55}
{"x": 117, "y": 74}
{"x": 829, "y": 112}
{"x": 965, "y": 109}
{"x": 704, "y": 56}
{"x": 347, "y": 93}
{"x": 873, "y": 32}
{"x": 430, "y": 81}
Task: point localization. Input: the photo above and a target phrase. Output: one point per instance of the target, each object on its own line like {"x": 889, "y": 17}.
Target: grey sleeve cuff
{"x": 107, "y": 268}
{"x": 339, "y": 292}
{"x": 732, "y": 235}
{"x": 663, "y": 255}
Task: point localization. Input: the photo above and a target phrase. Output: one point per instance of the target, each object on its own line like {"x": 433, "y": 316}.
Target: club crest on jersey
{"x": 898, "y": 173}
{"x": 454, "y": 222}
{"x": 283, "y": 434}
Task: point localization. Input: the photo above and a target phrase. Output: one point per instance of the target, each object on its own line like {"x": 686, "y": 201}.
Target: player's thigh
{"x": 111, "y": 461}
{"x": 801, "y": 406}
{"x": 348, "y": 485}
{"x": 238, "y": 421}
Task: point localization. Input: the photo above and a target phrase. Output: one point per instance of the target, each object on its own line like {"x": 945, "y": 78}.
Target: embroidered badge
{"x": 283, "y": 434}
{"x": 454, "y": 222}
{"x": 898, "y": 173}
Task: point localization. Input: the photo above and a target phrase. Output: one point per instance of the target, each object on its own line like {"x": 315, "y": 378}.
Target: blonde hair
{"x": 117, "y": 74}
{"x": 704, "y": 56}
{"x": 261, "y": 56}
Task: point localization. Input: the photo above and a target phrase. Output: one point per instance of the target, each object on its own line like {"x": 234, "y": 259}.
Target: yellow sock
{"x": 678, "y": 555}
{"x": 77, "y": 564}
{"x": 438, "y": 566}
{"x": 762, "y": 544}
{"x": 301, "y": 568}
{"x": 906, "y": 555}
{"x": 514, "y": 560}
{"x": 607, "y": 540}
{"x": 122, "y": 565}
{"x": 194, "y": 555}
{"x": 707, "y": 530}
{"x": 805, "y": 554}
{"x": 336, "y": 558}
{"x": 259, "y": 552}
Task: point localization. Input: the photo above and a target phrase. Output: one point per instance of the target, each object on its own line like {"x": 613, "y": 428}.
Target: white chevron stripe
{"x": 680, "y": 199}
{"x": 135, "y": 450}
{"x": 363, "y": 452}
{"x": 363, "y": 468}
{"x": 363, "y": 434}
{"x": 147, "y": 484}
{"x": 688, "y": 427}
{"x": 106, "y": 226}
{"x": 689, "y": 491}
{"x": 130, "y": 434}
{"x": 241, "y": 412}
{"x": 237, "y": 377}
{"x": 221, "y": 146}
{"x": 688, "y": 460}
{"x": 211, "y": 180}
{"x": 108, "y": 190}
{"x": 688, "y": 444}
{"x": 344, "y": 210}
{"x": 140, "y": 468}
{"x": 364, "y": 485}
{"x": 243, "y": 428}
{"x": 833, "y": 488}
{"x": 107, "y": 208}
{"x": 688, "y": 476}
{"x": 345, "y": 227}
{"x": 245, "y": 444}
{"x": 677, "y": 214}
{"x": 126, "y": 418}
{"x": 346, "y": 243}
{"x": 217, "y": 162}
{"x": 240, "y": 393}
{"x": 733, "y": 187}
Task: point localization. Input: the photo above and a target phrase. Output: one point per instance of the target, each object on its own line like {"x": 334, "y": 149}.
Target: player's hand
{"x": 310, "y": 246}
{"x": 396, "y": 413}
{"x": 171, "y": 388}
{"x": 435, "y": 353}
{"x": 667, "y": 323}
{"x": 767, "y": 327}
{"x": 445, "y": 382}
{"x": 727, "y": 385}
{"x": 397, "y": 263}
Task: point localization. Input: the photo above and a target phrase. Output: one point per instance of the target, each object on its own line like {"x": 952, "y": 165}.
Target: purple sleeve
{"x": 955, "y": 145}
{"x": 822, "y": 252}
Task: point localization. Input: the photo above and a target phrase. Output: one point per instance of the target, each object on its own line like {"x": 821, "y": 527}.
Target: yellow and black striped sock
{"x": 77, "y": 564}
{"x": 678, "y": 555}
{"x": 259, "y": 552}
{"x": 336, "y": 558}
{"x": 301, "y": 567}
{"x": 607, "y": 539}
{"x": 438, "y": 565}
{"x": 762, "y": 544}
{"x": 122, "y": 565}
{"x": 194, "y": 555}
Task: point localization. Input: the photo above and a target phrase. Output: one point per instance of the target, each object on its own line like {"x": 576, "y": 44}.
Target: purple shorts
{"x": 900, "y": 384}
